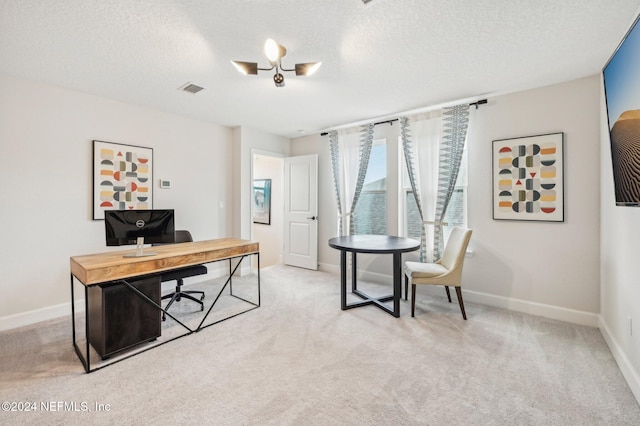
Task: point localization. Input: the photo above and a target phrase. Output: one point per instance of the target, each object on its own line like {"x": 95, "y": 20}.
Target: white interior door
{"x": 301, "y": 211}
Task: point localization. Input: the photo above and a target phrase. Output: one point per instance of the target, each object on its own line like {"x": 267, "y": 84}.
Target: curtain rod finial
{"x": 480, "y": 102}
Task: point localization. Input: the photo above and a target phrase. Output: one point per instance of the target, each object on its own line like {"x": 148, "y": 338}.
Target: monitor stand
{"x": 140, "y": 250}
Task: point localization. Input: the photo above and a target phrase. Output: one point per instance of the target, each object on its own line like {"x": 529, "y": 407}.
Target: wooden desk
{"x": 103, "y": 267}
{"x": 99, "y": 268}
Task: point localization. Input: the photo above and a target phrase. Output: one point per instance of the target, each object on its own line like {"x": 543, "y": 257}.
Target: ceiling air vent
{"x": 191, "y": 88}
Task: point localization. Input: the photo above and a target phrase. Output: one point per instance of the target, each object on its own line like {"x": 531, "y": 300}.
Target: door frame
{"x": 254, "y": 153}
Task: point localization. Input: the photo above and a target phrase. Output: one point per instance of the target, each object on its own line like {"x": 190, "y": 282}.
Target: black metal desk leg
{"x": 258, "y": 254}
{"x": 343, "y": 279}
{"x": 73, "y": 313}
{"x": 230, "y": 281}
{"x": 86, "y": 325}
{"x": 83, "y": 359}
{"x": 397, "y": 283}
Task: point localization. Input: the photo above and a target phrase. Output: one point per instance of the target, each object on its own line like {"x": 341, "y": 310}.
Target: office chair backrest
{"x": 183, "y": 237}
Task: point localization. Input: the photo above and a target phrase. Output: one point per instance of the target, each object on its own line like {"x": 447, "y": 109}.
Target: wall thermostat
{"x": 164, "y": 183}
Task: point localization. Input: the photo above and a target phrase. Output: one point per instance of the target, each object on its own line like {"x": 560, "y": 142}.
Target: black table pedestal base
{"x": 372, "y": 244}
{"x": 370, "y": 300}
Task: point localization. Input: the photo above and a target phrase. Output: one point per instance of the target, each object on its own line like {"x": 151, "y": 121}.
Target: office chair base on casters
{"x": 180, "y": 274}
{"x": 178, "y": 295}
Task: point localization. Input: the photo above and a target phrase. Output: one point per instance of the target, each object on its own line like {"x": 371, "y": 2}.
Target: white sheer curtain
{"x": 455, "y": 124}
{"x": 433, "y": 146}
{"x": 350, "y": 150}
{"x": 421, "y": 142}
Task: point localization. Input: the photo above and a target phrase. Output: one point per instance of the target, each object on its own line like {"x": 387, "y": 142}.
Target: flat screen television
{"x": 139, "y": 227}
{"x": 621, "y": 76}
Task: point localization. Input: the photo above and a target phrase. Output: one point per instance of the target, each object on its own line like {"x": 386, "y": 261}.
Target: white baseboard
{"x": 329, "y": 267}
{"x": 630, "y": 374}
{"x": 44, "y": 314}
{"x": 559, "y": 313}
{"x": 64, "y": 309}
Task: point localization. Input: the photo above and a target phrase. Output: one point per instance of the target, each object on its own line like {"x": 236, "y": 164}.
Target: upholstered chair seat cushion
{"x": 424, "y": 270}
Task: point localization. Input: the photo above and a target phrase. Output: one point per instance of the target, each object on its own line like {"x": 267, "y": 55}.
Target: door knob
{"x": 312, "y": 218}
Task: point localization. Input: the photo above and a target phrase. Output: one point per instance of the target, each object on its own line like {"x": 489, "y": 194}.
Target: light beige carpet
{"x": 300, "y": 360}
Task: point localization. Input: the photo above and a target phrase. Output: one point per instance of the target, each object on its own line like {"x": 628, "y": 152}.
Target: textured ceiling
{"x": 379, "y": 59}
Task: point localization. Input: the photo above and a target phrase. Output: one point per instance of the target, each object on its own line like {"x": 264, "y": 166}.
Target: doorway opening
{"x": 267, "y": 211}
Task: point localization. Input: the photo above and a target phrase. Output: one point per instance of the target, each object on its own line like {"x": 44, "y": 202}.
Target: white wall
{"x": 620, "y": 270}
{"x": 549, "y": 269}
{"x": 552, "y": 267}
{"x": 245, "y": 141}
{"x": 46, "y": 191}
{"x": 270, "y": 236}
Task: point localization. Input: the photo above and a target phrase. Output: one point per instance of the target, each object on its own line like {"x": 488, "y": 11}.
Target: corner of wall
{"x": 626, "y": 367}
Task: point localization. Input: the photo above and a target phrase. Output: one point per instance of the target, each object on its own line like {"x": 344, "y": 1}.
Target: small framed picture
{"x": 262, "y": 201}
{"x": 528, "y": 178}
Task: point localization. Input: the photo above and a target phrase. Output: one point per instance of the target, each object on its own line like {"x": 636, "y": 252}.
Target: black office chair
{"x": 180, "y": 274}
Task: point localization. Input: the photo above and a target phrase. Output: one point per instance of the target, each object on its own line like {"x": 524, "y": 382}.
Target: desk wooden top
{"x": 102, "y": 267}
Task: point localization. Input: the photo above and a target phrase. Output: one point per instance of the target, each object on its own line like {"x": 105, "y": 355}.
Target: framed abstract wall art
{"x": 262, "y": 201}
{"x": 122, "y": 177}
{"x": 528, "y": 178}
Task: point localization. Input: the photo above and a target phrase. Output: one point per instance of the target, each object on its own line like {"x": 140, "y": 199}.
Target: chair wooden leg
{"x": 459, "y": 294}
{"x": 406, "y": 287}
{"x": 413, "y": 300}
{"x": 446, "y": 287}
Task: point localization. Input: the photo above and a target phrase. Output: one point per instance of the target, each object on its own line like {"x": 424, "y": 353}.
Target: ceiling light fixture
{"x": 275, "y": 53}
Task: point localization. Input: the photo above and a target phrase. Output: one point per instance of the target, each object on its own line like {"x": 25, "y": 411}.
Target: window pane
{"x": 456, "y": 211}
{"x": 414, "y": 222}
{"x": 370, "y": 215}
{"x": 455, "y": 215}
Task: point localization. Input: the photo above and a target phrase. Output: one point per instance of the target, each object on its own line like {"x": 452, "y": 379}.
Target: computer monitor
{"x": 139, "y": 227}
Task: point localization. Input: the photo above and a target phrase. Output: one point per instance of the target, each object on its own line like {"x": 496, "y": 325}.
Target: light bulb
{"x": 314, "y": 68}
{"x": 272, "y": 50}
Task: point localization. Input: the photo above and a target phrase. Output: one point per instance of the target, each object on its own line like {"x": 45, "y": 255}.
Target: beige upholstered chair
{"x": 447, "y": 271}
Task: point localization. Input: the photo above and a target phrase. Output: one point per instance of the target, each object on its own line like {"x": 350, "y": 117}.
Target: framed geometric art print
{"x": 528, "y": 178}
{"x": 122, "y": 177}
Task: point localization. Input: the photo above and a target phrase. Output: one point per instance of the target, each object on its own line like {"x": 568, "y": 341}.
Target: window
{"x": 456, "y": 214}
{"x": 370, "y": 214}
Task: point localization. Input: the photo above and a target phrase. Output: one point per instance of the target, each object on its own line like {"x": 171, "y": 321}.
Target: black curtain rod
{"x": 480, "y": 102}
{"x": 375, "y": 124}
{"x": 385, "y": 122}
